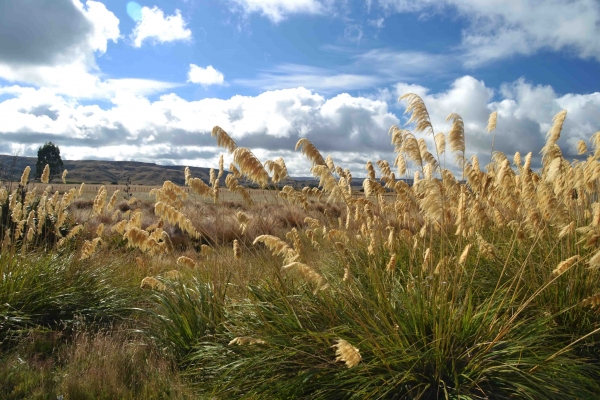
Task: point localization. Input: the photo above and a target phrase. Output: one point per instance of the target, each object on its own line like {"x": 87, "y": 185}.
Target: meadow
{"x": 484, "y": 284}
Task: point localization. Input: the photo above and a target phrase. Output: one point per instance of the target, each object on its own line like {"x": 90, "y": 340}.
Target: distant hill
{"x": 117, "y": 172}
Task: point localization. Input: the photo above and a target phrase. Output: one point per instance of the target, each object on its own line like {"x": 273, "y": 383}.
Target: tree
{"x": 49, "y": 154}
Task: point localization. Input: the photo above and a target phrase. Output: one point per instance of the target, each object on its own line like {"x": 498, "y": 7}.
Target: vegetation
{"x": 49, "y": 155}
{"x": 479, "y": 284}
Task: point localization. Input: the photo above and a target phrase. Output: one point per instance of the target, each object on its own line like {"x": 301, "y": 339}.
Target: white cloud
{"x": 525, "y": 115}
{"x": 205, "y": 76}
{"x": 278, "y": 10}
{"x": 353, "y": 33}
{"x": 156, "y": 27}
{"x": 367, "y": 70}
{"x": 500, "y": 29}
{"x": 353, "y": 129}
{"x": 71, "y": 73}
{"x": 173, "y": 130}
{"x": 105, "y": 25}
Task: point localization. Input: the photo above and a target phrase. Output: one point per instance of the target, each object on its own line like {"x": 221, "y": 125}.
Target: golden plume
{"x": 250, "y": 166}
{"x": 419, "y": 113}
{"x": 563, "y": 266}
{"x": 45, "y": 174}
{"x": 150, "y": 282}
{"x": 237, "y": 250}
{"x": 310, "y": 151}
{"x": 277, "y": 169}
{"x": 581, "y": 147}
{"x": 347, "y": 353}
{"x": 491, "y": 126}
{"x": 25, "y": 176}
{"x": 278, "y": 247}
{"x": 186, "y": 262}
{"x": 223, "y": 139}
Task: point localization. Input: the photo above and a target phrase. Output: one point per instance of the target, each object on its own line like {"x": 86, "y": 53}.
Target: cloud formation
{"x": 278, "y": 10}
{"x": 156, "y": 28}
{"x": 499, "y": 29}
{"x": 353, "y": 129}
{"x": 205, "y": 76}
{"x": 367, "y": 69}
{"x": 56, "y": 44}
{"x": 52, "y": 32}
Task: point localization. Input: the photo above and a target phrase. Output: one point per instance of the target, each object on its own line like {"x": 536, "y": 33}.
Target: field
{"x": 482, "y": 288}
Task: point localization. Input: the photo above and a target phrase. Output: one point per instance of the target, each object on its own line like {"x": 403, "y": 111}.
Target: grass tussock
{"x": 476, "y": 283}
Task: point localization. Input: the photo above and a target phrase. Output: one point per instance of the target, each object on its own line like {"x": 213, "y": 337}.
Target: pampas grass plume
{"x": 89, "y": 247}
{"x": 347, "y": 353}
{"x": 246, "y": 341}
{"x": 310, "y": 151}
{"x": 237, "y": 250}
{"x": 391, "y": 265}
{"x": 491, "y": 126}
{"x": 25, "y": 175}
{"x": 186, "y": 262}
{"x": 150, "y": 282}
{"x": 593, "y": 301}
{"x": 464, "y": 254}
{"x": 563, "y": 266}
{"x": 581, "y": 147}
{"x": 45, "y": 174}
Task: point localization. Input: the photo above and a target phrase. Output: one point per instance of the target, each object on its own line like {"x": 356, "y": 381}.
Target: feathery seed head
{"x": 250, "y": 166}
{"x": 45, "y": 174}
{"x": 186, "y": 262}
{"x": 491, "y": 126}
{"x": 563, "y": 266}
{"x": 310, "y": 151}
{"x": 347, "y": 353}
{"x": 223, "y": 139}
{"x": 456, "y": 136}
{"x": 25, "y": 176}
{"x": 419, "y": 114}
{"x": 152, "y": 283}
{"x": 246, "y": 341}
{"x": 237, "y": 250}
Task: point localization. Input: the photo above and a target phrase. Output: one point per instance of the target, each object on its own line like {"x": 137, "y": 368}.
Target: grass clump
{"x": 57, "y": 291}
{"x": 435, "y": 287}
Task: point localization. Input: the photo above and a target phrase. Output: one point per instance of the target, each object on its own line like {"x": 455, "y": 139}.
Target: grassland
{"x": 484, "y": 289}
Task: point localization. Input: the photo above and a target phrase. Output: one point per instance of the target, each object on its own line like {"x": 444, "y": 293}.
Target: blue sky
{"x": 148, "y": 85}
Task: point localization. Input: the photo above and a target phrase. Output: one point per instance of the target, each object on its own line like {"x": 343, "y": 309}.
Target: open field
{"x": 484, "y": 289}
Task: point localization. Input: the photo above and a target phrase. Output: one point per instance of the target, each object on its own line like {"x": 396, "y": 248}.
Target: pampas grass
{"x": 223, "y": 139}
{"x": 310, "y": 151}
{"x": 347, "y": 353}
{"x": 395, "y": 272}
{"x": 45, "y": 174}
{"x": 250, "y": 166}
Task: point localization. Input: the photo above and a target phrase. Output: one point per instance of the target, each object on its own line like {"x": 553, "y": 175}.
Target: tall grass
{"x": 484, "y": 284}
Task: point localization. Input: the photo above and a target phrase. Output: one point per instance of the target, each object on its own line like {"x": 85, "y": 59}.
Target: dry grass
{"x": 472, "y": 262}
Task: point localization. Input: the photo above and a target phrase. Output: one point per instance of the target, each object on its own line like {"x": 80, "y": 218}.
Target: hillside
{"x": 117, "y": 172}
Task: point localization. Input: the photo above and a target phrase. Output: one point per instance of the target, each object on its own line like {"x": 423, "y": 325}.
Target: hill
{"x": 117, "y": 172}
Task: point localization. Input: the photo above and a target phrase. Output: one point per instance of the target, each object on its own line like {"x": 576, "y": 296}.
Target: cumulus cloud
{"x": 41, "y": 32}
{"x": 157, "y": 28}
{"x": 525, "y": 113}
{"x": 205, "y": 76}
{"x": 271, "y": 123}
{"x": 499, "y": 29}
{"x": 353, "y": 129}
{"x": 53, "y": 43}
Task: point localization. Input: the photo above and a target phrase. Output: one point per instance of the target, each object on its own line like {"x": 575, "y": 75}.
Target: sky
{"x": 147, "y": 80}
